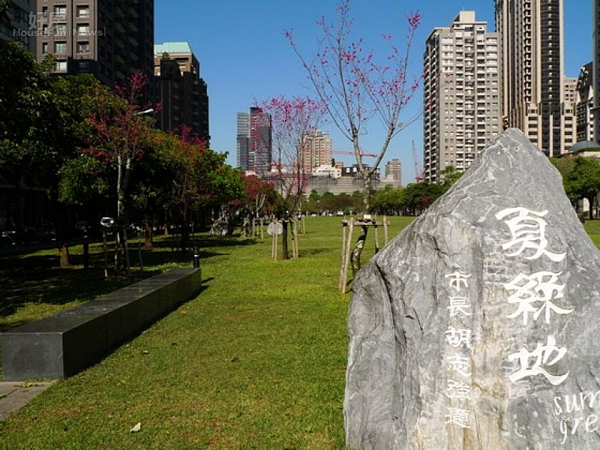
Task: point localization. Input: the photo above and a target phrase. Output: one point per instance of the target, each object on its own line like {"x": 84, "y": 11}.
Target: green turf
{"x": 256, "y": 361}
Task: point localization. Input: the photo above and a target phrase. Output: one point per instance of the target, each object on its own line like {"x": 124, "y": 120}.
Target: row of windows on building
{"x": 60, "y": 12}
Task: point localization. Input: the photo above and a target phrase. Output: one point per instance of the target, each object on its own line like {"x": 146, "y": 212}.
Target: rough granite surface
{"x": 478, "y": 327}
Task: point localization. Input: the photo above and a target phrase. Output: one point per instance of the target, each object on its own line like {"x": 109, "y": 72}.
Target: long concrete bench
{"x": 62, "y": 345}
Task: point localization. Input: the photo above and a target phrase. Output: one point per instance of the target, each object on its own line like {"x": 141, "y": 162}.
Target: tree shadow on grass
{"x": 313, "y": 251}
{"x": 173, "y": 242}
{"x": 36, "y": 279}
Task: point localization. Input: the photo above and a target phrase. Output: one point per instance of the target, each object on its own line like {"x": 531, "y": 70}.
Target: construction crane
{"x": 418, "y": 168}
{"x": 346, "y": 152}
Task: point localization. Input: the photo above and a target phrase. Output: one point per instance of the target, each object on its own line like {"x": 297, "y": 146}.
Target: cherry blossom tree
{"x": 292, "y": 119}
{"x": 357, "y": 87}
{"x": 121, "y": 134}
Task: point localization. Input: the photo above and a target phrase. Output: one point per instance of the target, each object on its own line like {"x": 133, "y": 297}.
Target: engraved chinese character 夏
{"x": 532, "y": 363}
{"x": 528, "y": 234}
{"x": 529, "y": 291}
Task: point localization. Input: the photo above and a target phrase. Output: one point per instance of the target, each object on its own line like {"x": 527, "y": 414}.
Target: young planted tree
{"x": 291, "y": 120}
{"x": 121, "y": 134}
{"x": 356, "y": 88}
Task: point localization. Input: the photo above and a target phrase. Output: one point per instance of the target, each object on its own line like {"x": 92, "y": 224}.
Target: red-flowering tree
{"x": 356, "y": 88}
{"x": 199, "y": 177}
{"x": 292, "y": 120}
{"x": 258, "y": 194}
{"x": 121, "y": 134}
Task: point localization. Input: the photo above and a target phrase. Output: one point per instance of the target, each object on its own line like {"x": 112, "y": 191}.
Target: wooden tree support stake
{"x": 346, "y": 263}
{"x": 385, "y": 230}
{"x": 295, "y": 239}
{"x": 343, "y": 256}
{"x": 376, "y": 236}
{"x": 347, "y": 236}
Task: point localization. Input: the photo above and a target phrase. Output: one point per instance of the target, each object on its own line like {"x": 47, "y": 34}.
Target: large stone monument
{"x": 478, "y": 327}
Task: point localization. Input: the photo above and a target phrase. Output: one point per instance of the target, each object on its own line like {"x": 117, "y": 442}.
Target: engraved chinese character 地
{"x": 541, "y": 356}
{"x": 459, "y": 305}
{"x": 458, "y": 280}
{"x": 529, "y": 290}
{"x": 458, "y": 416}
{"x": 458, "y": 390}
{"x": 458, "y": 338}
{"x": 528, "y": 230}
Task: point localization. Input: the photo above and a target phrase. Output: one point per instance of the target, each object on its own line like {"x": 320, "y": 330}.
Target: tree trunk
{"x": 20, "y": 209}
{"x": 63, "y": 255}
{"x": 121, "y": 247}
{"x": 368, "y": 184}
{"x": 284, "y": 240}
{"x": 357, "y": 252}
{"x": 148, "y": 234}
{"x": 185, "y": 228}
{"x": 59, "y": 220}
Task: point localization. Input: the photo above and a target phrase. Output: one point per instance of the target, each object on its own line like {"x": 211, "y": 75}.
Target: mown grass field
{"x": 257, "y": 360}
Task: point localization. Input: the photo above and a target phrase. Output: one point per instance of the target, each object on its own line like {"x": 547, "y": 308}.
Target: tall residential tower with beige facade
{"x": 461, "y": 94}
{"x": 317, "y": 150}
{"x": 536, "y": 96}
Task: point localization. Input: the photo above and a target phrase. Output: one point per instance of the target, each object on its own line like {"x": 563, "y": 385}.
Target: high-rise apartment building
{"x": 533, "y": 84}
{"x": 20, "y": 25}
{"x": 585, "y": 104}
{"x": 243, "y": 142}
{"x": 570, "y": 90}
{"x": 261, "y": 146}
{"x": 254, "y": 141}
{"x": 596, "y": 69}
{"x": 393, "y": 171}
{"x": 317, "y": 151}
{"x": 109, "y": 39}
{"x": 180, "y": 90}
{"x": 461, "y": 94}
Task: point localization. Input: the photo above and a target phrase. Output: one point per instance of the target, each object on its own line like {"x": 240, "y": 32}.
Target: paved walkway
{"x": 14, "y": 395}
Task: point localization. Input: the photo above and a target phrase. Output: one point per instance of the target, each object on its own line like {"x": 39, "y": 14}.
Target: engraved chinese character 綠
{"x": 540, "y": 287}
{"x": 543, "y": 356}
{"x": 528, "y": 230}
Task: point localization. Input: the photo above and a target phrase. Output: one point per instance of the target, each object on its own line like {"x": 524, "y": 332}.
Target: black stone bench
{"x": 62, "y": 345}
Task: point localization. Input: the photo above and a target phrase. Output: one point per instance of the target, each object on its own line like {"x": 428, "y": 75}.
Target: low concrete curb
{"x": 13, "y": 396}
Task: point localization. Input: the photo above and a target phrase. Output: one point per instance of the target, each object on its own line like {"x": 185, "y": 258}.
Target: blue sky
{"x": 244, "y": 55}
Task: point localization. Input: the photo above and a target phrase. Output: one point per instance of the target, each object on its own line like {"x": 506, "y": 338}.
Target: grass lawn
{"x": 257, "y": 360}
